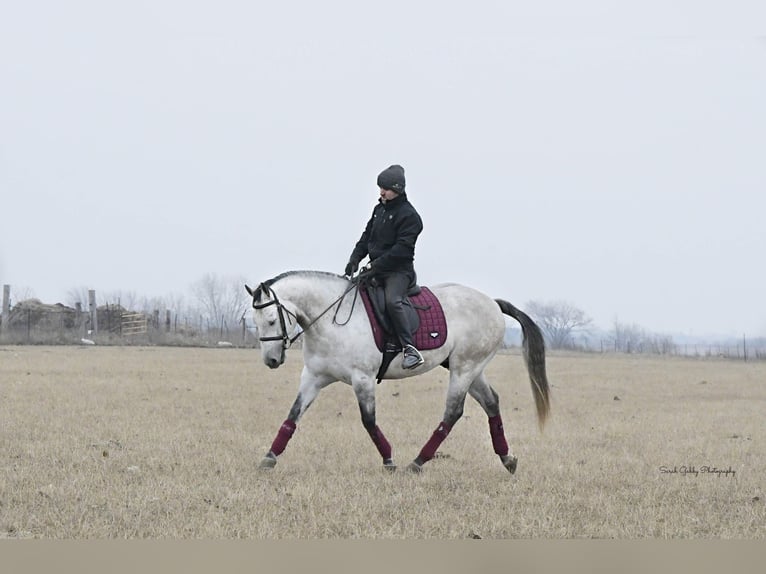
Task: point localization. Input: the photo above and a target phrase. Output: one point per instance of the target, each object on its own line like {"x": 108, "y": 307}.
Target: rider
{"x": 389, "y": 239}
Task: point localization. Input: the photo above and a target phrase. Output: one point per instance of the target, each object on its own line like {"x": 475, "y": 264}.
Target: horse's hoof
{"x": 509, "y": 462}
{"x": 389, "y": 465}
{"x": 268, "y": 462}
{"x": 414, "y": 468}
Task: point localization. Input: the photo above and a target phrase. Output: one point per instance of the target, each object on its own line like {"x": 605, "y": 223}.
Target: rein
{"x": 281, "y": 310}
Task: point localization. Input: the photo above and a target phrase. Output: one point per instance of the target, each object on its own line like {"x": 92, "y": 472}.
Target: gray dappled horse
{"x": 338, "y": 346}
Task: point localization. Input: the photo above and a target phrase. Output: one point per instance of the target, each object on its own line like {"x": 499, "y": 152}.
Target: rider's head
{"x": 391, "y": 179}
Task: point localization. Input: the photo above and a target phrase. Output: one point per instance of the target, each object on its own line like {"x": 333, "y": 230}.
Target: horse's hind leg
{"x": 364, "y": 388}
{"x": 486, "y": 396}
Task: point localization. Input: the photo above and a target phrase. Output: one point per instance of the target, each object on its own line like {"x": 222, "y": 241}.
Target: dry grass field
{"x": 163, "y": 443}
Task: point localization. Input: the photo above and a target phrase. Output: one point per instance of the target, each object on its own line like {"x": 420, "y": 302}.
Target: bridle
{"x": 281, "y": 310}
{"x": 287, "y": 341}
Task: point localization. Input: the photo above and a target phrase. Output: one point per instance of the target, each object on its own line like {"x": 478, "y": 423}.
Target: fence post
{"x": 93, "y": 310}
{"x": 78, "y": 318}
{"x": 744, "y": 346}
{"x": 5, "y": 318}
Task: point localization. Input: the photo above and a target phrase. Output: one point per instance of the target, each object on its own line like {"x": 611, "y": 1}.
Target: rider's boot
{"x": 412, "y": 357}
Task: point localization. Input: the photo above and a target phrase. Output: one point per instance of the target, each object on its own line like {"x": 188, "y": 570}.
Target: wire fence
{"x": 744, "y": 351}
{"x": 33, "y": 322}
{"x": 113, "y": 325}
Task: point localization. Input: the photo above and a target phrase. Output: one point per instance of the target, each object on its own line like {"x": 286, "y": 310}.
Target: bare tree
{"x": 77, "y": 295}
{"x": 128, "y": 300}
{"x": 635, "y": 339}
{"x": 627, "y": 338}
{"x": 21, "y": 293}
{"x": 221, "y": 299}
{"x": 179, "y": 307}
{"x": 559, "y": 320}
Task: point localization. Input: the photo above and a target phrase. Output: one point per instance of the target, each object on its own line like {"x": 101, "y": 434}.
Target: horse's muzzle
{"x": 272, "y": 363}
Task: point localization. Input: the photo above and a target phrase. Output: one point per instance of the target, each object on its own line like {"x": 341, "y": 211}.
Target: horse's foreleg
{"x": 308, "y": 391}
{"x": 284, "y": 434}
{"x": 486, "y": 396}
{"x": 365, "y": 395}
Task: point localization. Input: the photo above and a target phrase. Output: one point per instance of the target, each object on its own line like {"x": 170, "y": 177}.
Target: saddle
{"x": 425, "y": 314}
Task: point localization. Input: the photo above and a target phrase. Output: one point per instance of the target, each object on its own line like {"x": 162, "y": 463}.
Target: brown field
{"x": 163, "y": 443}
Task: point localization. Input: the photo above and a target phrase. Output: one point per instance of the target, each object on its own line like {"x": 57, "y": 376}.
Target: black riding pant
{"x": 396, "y": 286}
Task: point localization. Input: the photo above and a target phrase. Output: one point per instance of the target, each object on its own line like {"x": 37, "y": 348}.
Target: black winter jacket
{"x": 389, "y": 237}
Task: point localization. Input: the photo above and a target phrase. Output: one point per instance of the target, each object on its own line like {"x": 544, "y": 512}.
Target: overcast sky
{"x": 609, "y": 154}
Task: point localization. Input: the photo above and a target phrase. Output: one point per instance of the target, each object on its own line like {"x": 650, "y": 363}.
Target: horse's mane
{"x": 269, "y": 282}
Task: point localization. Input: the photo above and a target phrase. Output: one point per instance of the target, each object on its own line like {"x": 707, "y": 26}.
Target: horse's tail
{"x": 533, "y": 346}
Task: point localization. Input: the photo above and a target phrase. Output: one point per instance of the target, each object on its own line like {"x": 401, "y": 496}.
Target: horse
{"x": 339, "y": 346}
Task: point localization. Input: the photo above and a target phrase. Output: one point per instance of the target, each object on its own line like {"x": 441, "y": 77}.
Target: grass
{"x": 164, "y": 443}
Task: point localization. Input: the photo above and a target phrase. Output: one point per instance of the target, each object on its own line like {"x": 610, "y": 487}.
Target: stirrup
{"x": 411, "y": 354}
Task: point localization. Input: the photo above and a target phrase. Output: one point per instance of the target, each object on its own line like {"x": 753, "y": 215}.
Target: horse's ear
{"x": 264, "y": 289}
{"x": 247, "y": 288}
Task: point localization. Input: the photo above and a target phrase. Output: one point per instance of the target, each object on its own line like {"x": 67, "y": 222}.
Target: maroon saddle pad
{"x": 432, "y": 332}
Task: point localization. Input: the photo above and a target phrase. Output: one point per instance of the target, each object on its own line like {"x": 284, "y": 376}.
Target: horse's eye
{"x": 271, "y": 323}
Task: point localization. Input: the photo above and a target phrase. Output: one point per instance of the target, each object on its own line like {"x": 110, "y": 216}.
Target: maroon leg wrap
{"x": 283, "y": 437}
{"x": 429, "y": 450}
{"x": 384, "y": 448}
{"x": 498, "y": 437}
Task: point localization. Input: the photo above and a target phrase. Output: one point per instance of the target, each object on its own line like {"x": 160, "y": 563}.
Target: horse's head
{"x": 271, "y": 318}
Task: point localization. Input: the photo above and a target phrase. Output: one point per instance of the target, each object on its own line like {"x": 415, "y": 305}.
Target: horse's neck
{"x": 309, "y": 295}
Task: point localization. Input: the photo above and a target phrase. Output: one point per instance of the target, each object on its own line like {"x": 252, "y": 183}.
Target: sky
{"x": 607, "y": 154}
